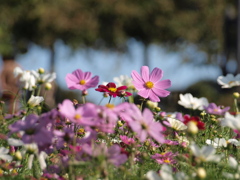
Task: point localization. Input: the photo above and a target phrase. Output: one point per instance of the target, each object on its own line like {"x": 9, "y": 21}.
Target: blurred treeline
{"x": 211, "y": 25}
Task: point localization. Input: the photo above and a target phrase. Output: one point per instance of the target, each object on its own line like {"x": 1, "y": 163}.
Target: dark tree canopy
{"x": 109, "y": 23}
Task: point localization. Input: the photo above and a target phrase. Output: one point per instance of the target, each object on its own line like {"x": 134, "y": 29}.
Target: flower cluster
{"x": 118, "y": 141}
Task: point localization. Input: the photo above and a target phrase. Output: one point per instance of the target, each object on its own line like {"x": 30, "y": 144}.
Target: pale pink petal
{"x": 142, "y": 135}
{"x": 139, "y": 86}
{"x": 161, "y": 92}
{"x": 67, "y": 109}
{"x": 156, "y": 75}
{"x": 153, "y": 97}
{"x": 93, "y": 82}
{"x": 145, "y": 73}
{"x": 79, "y": 74}
{"x": 87, "y": 75}
{"x": 71, "y": 81}
{"x": 164, "y": 84}
{"x": 144, "y": 93}
{"x": 147, "y": 116}
{"x": 136, "y": 77}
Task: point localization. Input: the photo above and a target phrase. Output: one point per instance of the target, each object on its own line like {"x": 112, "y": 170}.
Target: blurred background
{"x": 193, "y": 41}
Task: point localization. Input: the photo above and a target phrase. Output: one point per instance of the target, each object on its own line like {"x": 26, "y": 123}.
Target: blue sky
{"x": 109, "y": 64}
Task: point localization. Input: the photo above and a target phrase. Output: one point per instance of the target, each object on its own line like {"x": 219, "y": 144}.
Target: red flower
{"x": 112, "y": 90}
{"x": 195, "y": 119}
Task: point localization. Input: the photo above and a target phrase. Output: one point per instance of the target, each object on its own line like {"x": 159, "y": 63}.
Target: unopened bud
{"x": 84, "y": 93}
{"x": 151, "y": 104}
{"x": 18, "y": 156}
{"x": 120, "y": 124}
{"x": 41, "y": 71}
{"x": 48, "y": 86}
{"x": 201, "y": 173}
{"x": 236, "y": 95}
{"x": 105, "y": 94}
{"x": 158, "y": 109}
{"x": 192, "y": 127}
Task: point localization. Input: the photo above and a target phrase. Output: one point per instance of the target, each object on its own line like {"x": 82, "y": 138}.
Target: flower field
{"x": 126, "y": 141}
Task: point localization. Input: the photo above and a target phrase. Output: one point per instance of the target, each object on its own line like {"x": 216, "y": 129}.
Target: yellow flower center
{"x": 149, "y": 85}
{"x": 81, "y": 130}
{"x": 166, "y": 161}
{"x": 82, "y": 82}
{"x": 112, "y": 89}
{"x": 110, "y": 106}
{"x": 77, "y": 116}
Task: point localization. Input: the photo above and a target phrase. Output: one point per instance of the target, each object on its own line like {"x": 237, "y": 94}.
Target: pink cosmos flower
{"x": 79, "y": 115}
{"x": 212, "y": 108}
{"x": 143, "y": 124}
{"x": 127, "y": 140}
{"x": 149, "y": 86}
{"x": 165, "y": 158}
{"x": 81, "y": 80}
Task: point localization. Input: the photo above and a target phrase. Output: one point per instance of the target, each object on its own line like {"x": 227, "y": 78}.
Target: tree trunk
{"x": 146, "y": 61}
{"x": 238, "y": 38}
{"x": 52, "y": 58}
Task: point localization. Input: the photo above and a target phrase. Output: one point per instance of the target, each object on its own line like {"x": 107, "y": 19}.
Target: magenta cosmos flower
{"x": 81, "y": 80}
{"x": 113, "y": 90}
{"x": 149, "y": 86}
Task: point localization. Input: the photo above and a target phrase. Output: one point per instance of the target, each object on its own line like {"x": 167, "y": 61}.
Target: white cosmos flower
{"x": 229, "y": 80}
{"x": 176, "y": 124}
{"x": 206, "y": 153}
{"x": 190, "y": 102}
{"x": 45, "y": 77}
{"x": 231, "y": 121}
{"x": 123, "y": 80}
{"x": 4, "y": 154}
{"x": 32, "y": 149}
{"x": 217, "y": 142}
{"x": 166, "y": 173}
{"x": 35, "y": 100}
{"x": 15, "y": 142}
{"x": 234, "y": 142}
{"x": 221, "y": 142}
{"x": 232, "y": 162}
{"x": 26, "y": 77}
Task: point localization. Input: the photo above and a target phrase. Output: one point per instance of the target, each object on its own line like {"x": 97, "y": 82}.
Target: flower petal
{"x": 136, "y": 77}
{"x": 156, "y": 75}
{"x": 79, "y": 74}
{"x": 161, "y": 92}
{"x": 144, "y": 93}
{"x": 145, "y": 73}
{"x": 164, "y": 84}
{"x": 153, "y": 97}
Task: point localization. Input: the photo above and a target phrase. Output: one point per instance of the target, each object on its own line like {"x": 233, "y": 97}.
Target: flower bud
{"x": 41, "y": 71}
{"x": 48, "y": 86}
{"x": 236, "y": 95}
{"x": 120, "y": 124}
{"x": 18, "y": 156}
{"x": 192, "y": 127}
{"x": 151, "y": 104}
{"x": 105, "y": 94}
{"x": 84, "y": 93}
{"x": 201, "y": 173}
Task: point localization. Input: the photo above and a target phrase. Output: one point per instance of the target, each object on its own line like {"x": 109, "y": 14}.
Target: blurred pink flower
{"x": 149, "y": 86}
{"x": 127, "y": 140}
{"x": 165, "y": 158}
{"x": 79, "y": 115}
{"x": 81, "y": 80}
{"x": 143, "y": 124}
{"x": 212, "y": 108}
